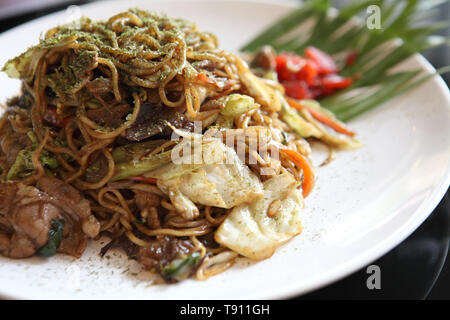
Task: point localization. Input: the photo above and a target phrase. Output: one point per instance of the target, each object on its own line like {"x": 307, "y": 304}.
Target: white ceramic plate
{"x": 365, "y": 202}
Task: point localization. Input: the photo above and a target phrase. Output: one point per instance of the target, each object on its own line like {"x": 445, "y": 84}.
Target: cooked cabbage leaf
{"x": 237, "y": 104}
{"x": 252, "y": 232}
{"x": 220, "y": 180}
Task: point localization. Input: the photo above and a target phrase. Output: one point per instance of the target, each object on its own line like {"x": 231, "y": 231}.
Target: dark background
{"x": 415, "y": 269}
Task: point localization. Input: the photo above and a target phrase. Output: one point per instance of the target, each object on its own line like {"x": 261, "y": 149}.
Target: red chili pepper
{"x": 297, "y": 89}
{"x": 335, "y": 81}
{"x": 312, "y": 76}
{"x": 351, "y": 58}
{"x": 288, "y": 65}
{"x": 308, "y": 73}
{"x": 325, "y": 63}
{"x": 283, "y": 73}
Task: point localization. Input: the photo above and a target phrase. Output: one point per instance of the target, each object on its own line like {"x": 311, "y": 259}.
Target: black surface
{"x": 410, "y": 271}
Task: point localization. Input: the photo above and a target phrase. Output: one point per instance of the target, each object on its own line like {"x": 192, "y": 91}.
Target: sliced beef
{"x": 72, "y": 202}
{"x": 12, "y": 142}
{"x": 99, "y": 85}
{"x": 265, "y": 59}
{"x": 153, "y": 220}
{"x": 109, "y": 116}
{"x": 163, "y": 251}
{"x": 146, "y": 199}
{"x": 121, "y": 242}
{"x": 153, "y": 120}
{"x": 26, "y": 213}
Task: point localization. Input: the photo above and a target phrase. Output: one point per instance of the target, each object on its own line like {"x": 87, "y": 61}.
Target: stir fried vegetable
{"x": 263, "y": 94}
{"x": 312, "y": 76}
{"x": 138, "y": 167}
{"x": 297, "y": 123}
{"x": 23, "y": 164}
{"x": 308, "y": 172}
{"x": 179, "y": 269}
{"x": 236, "y": 104}
{"x": 221, "y": 179}
{"x": 257, "y": 229}
{"x": 402, "y": 19}
{"x": 54, "y": 238}
{"x": 133, "y": 151}
{"x": 321, "y": 116}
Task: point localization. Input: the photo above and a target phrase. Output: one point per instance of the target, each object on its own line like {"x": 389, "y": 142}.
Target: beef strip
{"x": 26, "y": 213}
{"x": 99, "y": 85}
{"x": 11, "y": 143}
{"x": 265, "y": 59}
{"x": 146, "y": 199}
{"x": 121, "y": 242}
{"x": 110, "y": 116}
{"x": 152, "y": 121}
{"x": 163, "y": 251}
{"x": 72, "y": 202}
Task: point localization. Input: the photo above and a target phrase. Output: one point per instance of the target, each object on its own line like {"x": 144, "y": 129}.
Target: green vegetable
{"x": 123, "y": 155}
{"x": 32, "y": 137}
{"x": 135, "y": 150}
{"x": 54, "y": 238}
{"x": 237, "y": 104}
{"x": 172, "y": 170}
{"x": 24, "y": 161}
{"x": 296, "y": 121}
{"x": 138, "y": 167}
{"x": 48, "y": 160}
{"x": 285, "y": 137}
{"x": 377, "y": 84}
{"x": 223, "y": 122}
{"x": 181, "y": 268}
{"x": 313, "y": 104}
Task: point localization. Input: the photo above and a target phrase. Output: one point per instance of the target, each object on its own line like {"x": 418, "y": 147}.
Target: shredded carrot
{"x": 303, "y": 163}
{"x": 144, "y": 179}
{"x": 321, "y": 117}
{"x": 204, "y": 78}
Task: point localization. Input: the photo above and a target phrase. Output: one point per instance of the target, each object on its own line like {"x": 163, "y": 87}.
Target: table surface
{"x": 415, "y": 269}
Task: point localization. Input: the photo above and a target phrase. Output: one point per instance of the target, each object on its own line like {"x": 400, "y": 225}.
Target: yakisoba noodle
{"x": 99, "y": 103}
